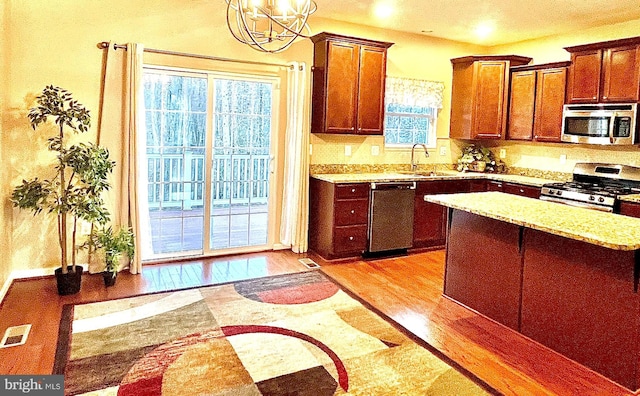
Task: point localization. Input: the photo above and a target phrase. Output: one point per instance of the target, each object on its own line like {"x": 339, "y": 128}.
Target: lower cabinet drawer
{"x": 351, "y": 212}
{"x": 525, "y": 191}
{"x": 350, "y": 239}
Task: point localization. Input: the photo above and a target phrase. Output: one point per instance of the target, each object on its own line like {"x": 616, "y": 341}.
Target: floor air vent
{"x": 307, "y": 262}
{"x": 14, "y": 336}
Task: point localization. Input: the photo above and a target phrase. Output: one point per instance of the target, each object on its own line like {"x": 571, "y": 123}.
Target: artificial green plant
{"x": 80, "y": 171}
{"x": 114, "y": 244}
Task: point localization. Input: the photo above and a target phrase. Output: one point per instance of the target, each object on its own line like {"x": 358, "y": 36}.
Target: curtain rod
{"x": 105, "y": 44}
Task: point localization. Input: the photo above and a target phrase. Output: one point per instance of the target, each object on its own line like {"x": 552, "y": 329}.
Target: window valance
{"x": 413, "y": 92}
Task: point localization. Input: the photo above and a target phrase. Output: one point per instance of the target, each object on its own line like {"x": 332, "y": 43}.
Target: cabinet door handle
{"x": 521, "y": 190}
{"x": 353, "y": 211}
{"x": 351, "y": 238}
{"x": 354, "y": 128}
{"x": 604, "y": 97}
{"x": 594, "y": 98}
{"x": 353, "y": 190}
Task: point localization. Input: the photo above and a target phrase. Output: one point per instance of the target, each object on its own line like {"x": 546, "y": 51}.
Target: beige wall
{"x": 4, "y": 173}
{"x": 55, "y": 43}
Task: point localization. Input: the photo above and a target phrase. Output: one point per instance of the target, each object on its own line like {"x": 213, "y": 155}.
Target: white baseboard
{"x": 5, "y": 288}
{"x": 29, "y": 273}
{"x": 38, "y": 272}
{"x": 279, "y": 246}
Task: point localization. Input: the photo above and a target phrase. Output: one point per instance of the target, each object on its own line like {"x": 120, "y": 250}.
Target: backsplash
{"x": 316, "y": 169}
{"x": 373, "y": 168}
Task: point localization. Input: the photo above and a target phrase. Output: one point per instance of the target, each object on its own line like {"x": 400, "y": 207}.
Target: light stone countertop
{"x": 609, "y": 230}
{"x": 440, "y": 175}
{"x": 630, "y": 198}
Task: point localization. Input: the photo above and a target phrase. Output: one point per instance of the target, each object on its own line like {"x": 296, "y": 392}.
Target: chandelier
{"x": 269, "y": 25}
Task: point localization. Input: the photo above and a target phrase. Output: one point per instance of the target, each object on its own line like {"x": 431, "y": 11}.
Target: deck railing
{"x": 177, "y": 181}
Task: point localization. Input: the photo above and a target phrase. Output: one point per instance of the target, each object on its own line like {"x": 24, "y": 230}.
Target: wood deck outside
{"x": 175, "y": 230}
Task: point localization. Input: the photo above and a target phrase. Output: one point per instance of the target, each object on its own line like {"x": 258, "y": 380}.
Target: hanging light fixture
{"x": 269, "y": 25}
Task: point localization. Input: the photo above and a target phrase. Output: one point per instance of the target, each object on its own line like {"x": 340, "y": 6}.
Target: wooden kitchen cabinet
{"x": 630, "y": 209}
{"x": 579, "y": 299}
{"x": 348, "y": 85}
{"x": 520, "y": 189}
{"x": 604, "y": 72}
{"x": 338, "y": 218}
{"x": 429, "y": 219}
{"x": 513, "y": 188}
{"x": 494, "y": 185}
{"x": 479, "y": 95}
{"x": 536, "y": 102}
{"x": 472, "y": 274}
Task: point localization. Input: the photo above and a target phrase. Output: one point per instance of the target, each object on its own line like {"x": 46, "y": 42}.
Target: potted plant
{"x": 478, "y": 159}
{"x": 112, "y": 244}
{"x": 79, "y": 176}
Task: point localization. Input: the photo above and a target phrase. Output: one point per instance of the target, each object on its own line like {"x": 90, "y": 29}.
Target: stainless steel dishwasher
{"x": 391, "y": 216}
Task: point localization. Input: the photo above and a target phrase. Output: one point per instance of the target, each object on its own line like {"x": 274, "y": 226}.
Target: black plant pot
{"x": 109, "y": 278}
{"x": 69, "y": 283}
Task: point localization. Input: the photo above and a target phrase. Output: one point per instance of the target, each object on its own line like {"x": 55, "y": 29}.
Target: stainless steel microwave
{"x": 605, "y": 123}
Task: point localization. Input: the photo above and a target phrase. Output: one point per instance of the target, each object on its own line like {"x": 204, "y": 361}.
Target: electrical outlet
{"x": 443, "y": 150}
{"x": 347, "y": 150}
{"x": 375, "y": 150}
{"x": 503, "y": 153}
{"x": 563, "y": 159}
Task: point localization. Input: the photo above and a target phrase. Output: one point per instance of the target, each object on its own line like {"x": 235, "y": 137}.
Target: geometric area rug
{"x": 295, "y": 334}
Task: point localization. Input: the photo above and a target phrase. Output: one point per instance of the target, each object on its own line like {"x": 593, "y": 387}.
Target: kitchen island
{"x": 563, "y": 276}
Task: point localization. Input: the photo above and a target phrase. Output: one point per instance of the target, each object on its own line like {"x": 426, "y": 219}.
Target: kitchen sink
{"x": 422, "y": 173}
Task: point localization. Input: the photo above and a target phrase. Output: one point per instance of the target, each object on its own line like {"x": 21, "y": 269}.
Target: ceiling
{"x": 457, "y": 20}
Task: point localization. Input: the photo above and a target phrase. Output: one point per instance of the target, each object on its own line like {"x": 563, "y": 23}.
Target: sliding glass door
{"x": 209, "y": 157}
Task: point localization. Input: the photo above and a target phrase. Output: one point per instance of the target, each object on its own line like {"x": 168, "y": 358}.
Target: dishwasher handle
{"x": 393, "y": 186}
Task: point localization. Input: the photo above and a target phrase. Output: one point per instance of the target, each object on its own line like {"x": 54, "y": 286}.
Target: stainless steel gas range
{"x": 595, "y": 186}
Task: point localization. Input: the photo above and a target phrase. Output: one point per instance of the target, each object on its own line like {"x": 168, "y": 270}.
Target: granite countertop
{"x": 440, "y": 175}
{"x": 630, "y": 198}
{"x": 599, "y": 228}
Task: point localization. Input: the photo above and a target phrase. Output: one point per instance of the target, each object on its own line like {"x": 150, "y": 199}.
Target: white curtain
{"x": 295, "y": 209}
{"x": 120, "y": 124}
{"x": 134, "y": 169}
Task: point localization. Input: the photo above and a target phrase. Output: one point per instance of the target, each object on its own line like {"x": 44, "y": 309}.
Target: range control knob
{"x": 601, "y": 199}
{"x": 559, "y": 192}
{"x": 592, "y": 198}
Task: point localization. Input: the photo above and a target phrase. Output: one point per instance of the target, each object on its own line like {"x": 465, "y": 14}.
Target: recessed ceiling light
{"x": 484, "y": 29}
{"x": 383, "y": 10}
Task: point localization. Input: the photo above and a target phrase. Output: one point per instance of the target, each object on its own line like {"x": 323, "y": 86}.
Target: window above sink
{"x": 411, "y": 112}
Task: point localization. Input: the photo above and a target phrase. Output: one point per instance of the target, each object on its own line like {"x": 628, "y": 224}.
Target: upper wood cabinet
{"x": 536, "y": 100}
{"x": 479, "y": 95}
{"x": 605, "y": 72}
{"x": 348, "y": 85}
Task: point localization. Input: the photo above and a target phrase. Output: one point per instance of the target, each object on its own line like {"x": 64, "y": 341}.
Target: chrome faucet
{"x": 414, "y": 166}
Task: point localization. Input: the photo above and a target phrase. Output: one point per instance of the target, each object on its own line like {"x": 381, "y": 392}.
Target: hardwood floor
{"x": 407, "y": 289}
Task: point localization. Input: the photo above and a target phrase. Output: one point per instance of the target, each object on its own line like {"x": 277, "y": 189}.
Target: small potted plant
{"x": 79, "y": 176}
{"x": 112, "y": 245}
{"x": 478, "y": 159}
